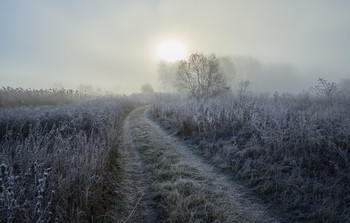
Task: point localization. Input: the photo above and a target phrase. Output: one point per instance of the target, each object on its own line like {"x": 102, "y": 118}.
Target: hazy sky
{"x": 112, "y": 44}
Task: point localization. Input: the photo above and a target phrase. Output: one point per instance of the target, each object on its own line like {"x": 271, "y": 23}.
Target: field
{"x": 238, "y": 157}
{"x": 54, "y": 157}
{"x": 169, "y": 111}
{"x": 292, "y": 151}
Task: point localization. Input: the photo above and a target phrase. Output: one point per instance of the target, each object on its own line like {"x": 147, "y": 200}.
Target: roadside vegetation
{"x": 12, "y": 97}
{"x": 60, "y": 155}
{"x": 183, "y": 187}
{"x": 293, "y": 151}
{"x": 57, "y": 161}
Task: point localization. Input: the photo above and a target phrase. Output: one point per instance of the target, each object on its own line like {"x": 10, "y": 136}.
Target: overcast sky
{"x": 112, "y": 44}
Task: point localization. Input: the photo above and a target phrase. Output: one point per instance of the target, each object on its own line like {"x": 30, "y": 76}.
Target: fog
{"x": 111, "y": 45}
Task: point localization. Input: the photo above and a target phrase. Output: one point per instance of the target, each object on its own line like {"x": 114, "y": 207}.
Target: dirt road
{"x": 166, "y": 182}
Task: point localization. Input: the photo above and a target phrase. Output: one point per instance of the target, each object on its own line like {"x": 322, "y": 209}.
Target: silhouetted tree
{"x": 167, "y": 75}
{"x": 201, "y": 76}
{"x": 344, "y": 86}
{"x": 325, "y": 88}
{"x": 147, "y": 89}
{"x": 229, "y": 68}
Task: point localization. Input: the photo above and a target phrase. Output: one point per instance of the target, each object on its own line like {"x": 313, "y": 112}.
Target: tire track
{"x": 136, "y": 186}
{"x": 184, "y": 187}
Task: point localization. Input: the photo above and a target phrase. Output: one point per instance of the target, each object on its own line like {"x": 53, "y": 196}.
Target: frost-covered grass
{"x": 294, "y": 151}
{"x": 11, "y": 97}
{"x": 53, "y": 160}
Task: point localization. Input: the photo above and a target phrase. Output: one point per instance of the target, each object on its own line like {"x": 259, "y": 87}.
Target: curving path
{"x": 172, "y": 184}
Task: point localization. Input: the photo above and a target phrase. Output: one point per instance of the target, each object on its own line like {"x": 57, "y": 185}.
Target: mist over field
{"x": 111, "y": 45}
{"x": 175, "y": 111}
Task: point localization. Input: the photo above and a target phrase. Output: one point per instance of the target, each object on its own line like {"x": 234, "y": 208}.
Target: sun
{"x": 171, "y": 51}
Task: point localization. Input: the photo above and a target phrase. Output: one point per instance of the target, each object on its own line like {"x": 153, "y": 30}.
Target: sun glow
{"x": 171, "y": 51}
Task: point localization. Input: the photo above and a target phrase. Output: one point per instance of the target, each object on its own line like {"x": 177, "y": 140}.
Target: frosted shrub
{"x": 53, "y": 158}
{"x": 292, "y": 150}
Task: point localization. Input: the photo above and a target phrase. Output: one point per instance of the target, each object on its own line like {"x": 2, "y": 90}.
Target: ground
{"x": 165, "y": 181}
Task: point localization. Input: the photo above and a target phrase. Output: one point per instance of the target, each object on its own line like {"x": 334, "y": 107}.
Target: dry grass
{"x": 12, "y": 97}
{"x": 57, "y": 161}
{"x": 178, "y": 196}
{"x": 292, "y": 151}
{"x": 184, "y": 188}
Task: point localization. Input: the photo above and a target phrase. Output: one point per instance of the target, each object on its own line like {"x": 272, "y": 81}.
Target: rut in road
{"x": 135, "y": 185}
{"x": 182, "y": 187}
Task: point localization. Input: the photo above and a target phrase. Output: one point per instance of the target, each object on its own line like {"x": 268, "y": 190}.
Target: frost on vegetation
{"x": 293, "y": 151}
{"x": 11, "y": 97}
{"x": 51, "y": 158}
{"x": 327, "y": 89}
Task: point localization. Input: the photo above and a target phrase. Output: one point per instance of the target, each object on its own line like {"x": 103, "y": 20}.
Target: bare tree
{"x": 147, "y": 89}
{"x": 201, "y": 76}
{"x": 228, "y": 66}
{"x": 344, "y": 86}
{"x": 243, "y": 90}
{"x": 325, "y": 88}
{"x": 167, "y": 75}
